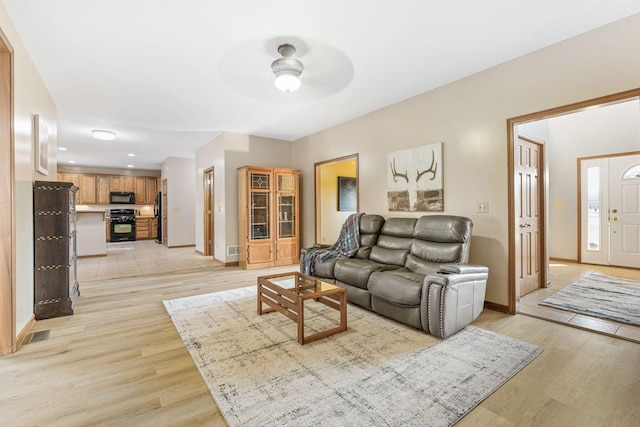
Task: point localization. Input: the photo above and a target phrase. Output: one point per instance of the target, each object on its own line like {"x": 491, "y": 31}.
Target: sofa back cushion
{"x": 370, "y": 226}
{"x": 394, "y": 241}
{"x": 439, "y": 239}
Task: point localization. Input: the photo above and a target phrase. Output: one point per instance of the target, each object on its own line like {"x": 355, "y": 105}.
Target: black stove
{"x": 123, "y": 225}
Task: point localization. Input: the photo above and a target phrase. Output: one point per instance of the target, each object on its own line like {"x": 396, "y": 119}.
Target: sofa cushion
{"x": 356, "y": 272}
{"x": 401, "y": 287}
{"x": 324, "y": 269}
{"x": 394, "y": 241}
{"x": 445, "y": 237}
{"x": 370, "y": 226}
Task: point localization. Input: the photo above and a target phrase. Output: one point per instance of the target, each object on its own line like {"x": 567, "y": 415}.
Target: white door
{"x": 610, "y": 211}
{"x": 624, "y": 210}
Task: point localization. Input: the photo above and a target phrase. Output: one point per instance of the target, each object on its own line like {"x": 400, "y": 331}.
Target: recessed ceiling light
{"x": 72, "y": 161}
{"x": 105, "y": 135}
{"x": 129, "y": 166}
{"x": 62, "y": 148}
{"x": 131, "y": 155}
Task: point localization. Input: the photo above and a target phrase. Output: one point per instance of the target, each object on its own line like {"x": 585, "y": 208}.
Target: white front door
{"x": 610, "y": 211}
{"x": 624, "y": 210}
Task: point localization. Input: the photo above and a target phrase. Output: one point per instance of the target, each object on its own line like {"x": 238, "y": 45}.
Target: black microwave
{"x": 122, "y": 197}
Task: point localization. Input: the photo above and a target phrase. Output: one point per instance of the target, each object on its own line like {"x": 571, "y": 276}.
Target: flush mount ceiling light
{"x": 105, "y": 135}
{"x": 287, "y": 69}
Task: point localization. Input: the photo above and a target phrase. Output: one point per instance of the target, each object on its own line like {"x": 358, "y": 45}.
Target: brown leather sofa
{"x": 413, "y": 270}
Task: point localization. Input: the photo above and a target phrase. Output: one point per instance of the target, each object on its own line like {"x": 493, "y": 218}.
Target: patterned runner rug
{"x": 601, "y": 296}
{"x": 378, "y": 372}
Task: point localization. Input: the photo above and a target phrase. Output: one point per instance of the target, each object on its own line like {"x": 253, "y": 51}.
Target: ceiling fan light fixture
{"x": 287, "y": 69}
{"x": 105, "y": 135}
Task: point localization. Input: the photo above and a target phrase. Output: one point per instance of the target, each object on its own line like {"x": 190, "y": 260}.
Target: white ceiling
{"x": 168, "y": 75}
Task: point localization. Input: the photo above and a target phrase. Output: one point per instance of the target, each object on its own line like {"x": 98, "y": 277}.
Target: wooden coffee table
{"x": 287, "y": 293}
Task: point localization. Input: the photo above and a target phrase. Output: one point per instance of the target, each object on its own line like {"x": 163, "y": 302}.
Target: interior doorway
{"x": 331, "y": 179}
{"x": 8, "y": 340}
{"x": 208, "y": 213}
{"x": 514, "y": 224}
{"x": 529, "y": 211}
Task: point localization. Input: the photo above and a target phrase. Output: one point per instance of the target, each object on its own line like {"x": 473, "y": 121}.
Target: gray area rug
{"x": 601, "y": 296}
{"x": 377, "y": 373}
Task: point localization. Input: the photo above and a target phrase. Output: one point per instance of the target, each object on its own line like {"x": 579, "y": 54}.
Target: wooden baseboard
{"x": 23, "y": 336}
{"x": 91, "y": 256}
{"x": 572, "y": 261}
{"x": 497, "y": 307}
{"x": 180, "y": 246}
{"x": 231, "y": 264}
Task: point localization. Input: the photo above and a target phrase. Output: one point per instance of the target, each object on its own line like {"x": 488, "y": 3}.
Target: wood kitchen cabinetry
{"x": 146, "y": 228}
{"x": 94, "y": 189}
{"x": 146, "y": 189}
{"x": 56, "y": 286}
{"x": 122, "y": 183}
{"x": 268, "y": 217}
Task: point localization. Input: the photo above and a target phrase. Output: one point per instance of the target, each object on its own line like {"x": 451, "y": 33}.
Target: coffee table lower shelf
{"x": 290, "y": 300}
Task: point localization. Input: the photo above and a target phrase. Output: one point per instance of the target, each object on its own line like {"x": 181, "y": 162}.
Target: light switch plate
{"x": 482, "y": 207}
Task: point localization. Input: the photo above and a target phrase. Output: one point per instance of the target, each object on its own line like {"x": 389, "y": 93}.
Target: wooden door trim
{"x": 208, "y": 222}
{"x": 318, "y": 188}
{"x": 9, "y": 342}
{"x": 511, "y": 124}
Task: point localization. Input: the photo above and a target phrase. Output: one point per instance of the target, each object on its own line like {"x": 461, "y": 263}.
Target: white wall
{"x": 180, "y": 209}
{"x": 469, "y": 116}
{"x": 30, "y": 97}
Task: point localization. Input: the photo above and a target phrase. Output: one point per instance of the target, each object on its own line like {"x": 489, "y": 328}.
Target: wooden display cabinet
{"x": 268, "y": 217}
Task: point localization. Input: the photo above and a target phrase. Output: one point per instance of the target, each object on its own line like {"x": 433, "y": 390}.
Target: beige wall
{"x": 30, "y": 97}
{"x": 180, "y": 209}
{"x": 469, "y": 117}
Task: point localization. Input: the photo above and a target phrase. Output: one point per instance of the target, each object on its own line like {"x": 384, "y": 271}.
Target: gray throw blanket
{"x": 346, "y": 246}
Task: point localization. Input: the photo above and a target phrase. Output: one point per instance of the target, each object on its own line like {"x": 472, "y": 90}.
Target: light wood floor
{"x": 562, "y": 274}
{"x": 118, "y": 361}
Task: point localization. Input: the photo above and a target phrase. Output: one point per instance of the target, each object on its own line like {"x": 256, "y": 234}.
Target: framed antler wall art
{"x": 414, "y": 179}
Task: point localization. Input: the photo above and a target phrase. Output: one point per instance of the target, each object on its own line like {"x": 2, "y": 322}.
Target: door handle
{"x": 614, "y": 218}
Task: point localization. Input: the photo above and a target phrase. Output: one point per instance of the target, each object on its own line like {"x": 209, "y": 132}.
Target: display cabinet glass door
{"x": 286, "y": 206}
{"x": 259, "y": 220}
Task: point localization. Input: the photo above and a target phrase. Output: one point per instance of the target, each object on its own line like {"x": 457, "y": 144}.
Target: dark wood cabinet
{"x": 55, "y": 260}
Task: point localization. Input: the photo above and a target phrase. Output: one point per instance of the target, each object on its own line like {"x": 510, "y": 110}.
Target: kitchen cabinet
{"x": 146, "y": 189}
{"x": 94, "y": 189}
{"x": 55, "y": 283}
{"x": 146, "y": 228}
{"x": 87, "y": 190}
{"x": 122, "y": 183}
{"x": 268, "y": 217}
{"x": 103, "y": 189}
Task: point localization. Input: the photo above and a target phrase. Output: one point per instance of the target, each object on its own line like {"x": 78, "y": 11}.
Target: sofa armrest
{"x": 452, "y": 298}
{"x": 463, "y": 268}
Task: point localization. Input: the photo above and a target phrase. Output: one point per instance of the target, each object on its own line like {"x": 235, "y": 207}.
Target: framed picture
{"x": 40, "y": 145}
{"x": 414, "y": 179}
{"x": 347, "y": 194}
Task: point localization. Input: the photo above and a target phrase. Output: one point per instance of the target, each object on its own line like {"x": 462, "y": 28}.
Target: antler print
{"x": 432, "y": 169}
{"x": 397, "y": 175}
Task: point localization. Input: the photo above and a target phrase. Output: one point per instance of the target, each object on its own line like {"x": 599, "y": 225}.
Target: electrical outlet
{"x": 482, "y": 207}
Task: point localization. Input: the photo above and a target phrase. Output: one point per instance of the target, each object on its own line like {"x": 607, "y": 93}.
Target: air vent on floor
{"x": 232, "y": 250}
{"x": 39, "y": 336}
